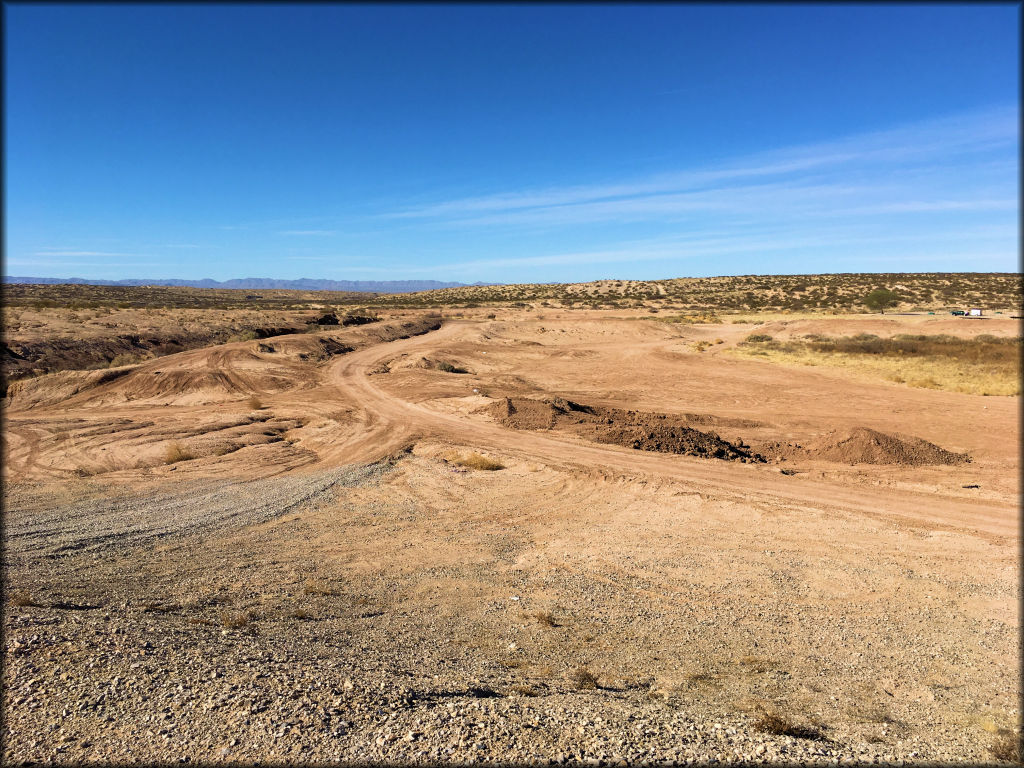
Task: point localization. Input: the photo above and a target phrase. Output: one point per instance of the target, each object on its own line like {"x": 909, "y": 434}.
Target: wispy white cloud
{"x": 895, "y": 164}
{"x": 711, "y": 244}
{"x": 44, "y": 262}
{"x": 85, "y": 253}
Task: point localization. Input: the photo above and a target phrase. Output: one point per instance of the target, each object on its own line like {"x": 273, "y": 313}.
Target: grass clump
{"x": 583, "y": 678}
{"x": 235, "y": 619}
{"x": 126, "y": 358}
{"x": 780, "y": 725}
{"x": 177, "y": 452}
{"x": 23, "y": 600}
{"x": 476, "y": 461}
{"x": 546, "y": 619}
{"x": 1007, "y": 748}
{"x": 319, "y": 587}
{"x": 255, "y": 403}
{"x": 449, "y": 368}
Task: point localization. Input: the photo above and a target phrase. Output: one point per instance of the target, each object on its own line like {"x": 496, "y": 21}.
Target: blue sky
{"x": 498, "y": 143}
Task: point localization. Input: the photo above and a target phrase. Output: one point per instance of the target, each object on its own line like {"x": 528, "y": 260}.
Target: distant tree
{"x": 880, "y": 298}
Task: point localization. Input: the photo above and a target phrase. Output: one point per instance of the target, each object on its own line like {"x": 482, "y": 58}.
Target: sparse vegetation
{"x": 20, "y": 599}
{"x": 449, "y": 368}
{"x": 176, "y": 452}
{"x": 476, "y": 461}
{"x": 126, "y": 359}
{"x": 881, "y": 299}
{"x": 235, "y": 619}
{"x": 583, "y": 678}
{"x": 985, "y": 365}
{"x": 546, "y": 619}
{"x": 780, "y": 725}
{"x": 1007, "y": 747}
{"x": 255, "y": 403}
{"x": 319, "y": 587}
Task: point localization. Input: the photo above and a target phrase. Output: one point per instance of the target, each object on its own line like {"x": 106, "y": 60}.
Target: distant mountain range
{"x": 249, "y": 283}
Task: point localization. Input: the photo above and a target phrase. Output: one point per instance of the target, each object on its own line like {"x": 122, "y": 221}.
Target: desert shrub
{"x": 583, "y": 678}
{"x": 319, "y": 587}
{"x": 125, "y": 358}
{"x": 756, "y": 338}
{"x": 22, "y": 600}
{"x": 1007, "y": 747}
{"x": 255, "y": 403}
{"x": 235, "y": 619}
{"x": 476, "y": 461}
{"x": 779, "y": 725}
{"x": 546, "y": 619}
{"x": 449, "y": 368}
{"x": 177, "y": 452}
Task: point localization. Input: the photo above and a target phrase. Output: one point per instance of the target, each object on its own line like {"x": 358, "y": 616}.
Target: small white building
{"x": 974, "y": 311}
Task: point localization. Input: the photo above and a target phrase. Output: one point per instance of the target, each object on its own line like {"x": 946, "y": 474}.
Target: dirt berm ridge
{"x": 633, "y": 429}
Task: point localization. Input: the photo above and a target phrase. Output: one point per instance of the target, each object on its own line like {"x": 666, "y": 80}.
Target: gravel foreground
{"x": 218, "y": 635}
{"x": 112, "y": 687}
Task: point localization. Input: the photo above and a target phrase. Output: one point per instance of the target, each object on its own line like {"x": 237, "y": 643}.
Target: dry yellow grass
{"x": 235, "y": 619}
{"x": 177, "y": 452}
{"x": 319, "y": 587}
{"x": 929, "y": 373}
{"x": 476, "y": 461}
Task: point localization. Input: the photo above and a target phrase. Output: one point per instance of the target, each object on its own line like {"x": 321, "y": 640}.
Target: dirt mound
{"x": 640, "y": 430}
{"x": 523, "y": 413}
{"x": 56, "y": 387}
{"x": 673, "y": 438}
{"x": 868, "y": 446}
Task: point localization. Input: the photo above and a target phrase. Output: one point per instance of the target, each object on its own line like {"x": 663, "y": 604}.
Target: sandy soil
{"x": 322, "y": 581}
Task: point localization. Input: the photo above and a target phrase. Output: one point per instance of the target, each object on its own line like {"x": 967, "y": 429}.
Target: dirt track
{"x": 329, "y": 530}
{"x": 388, "y": 422}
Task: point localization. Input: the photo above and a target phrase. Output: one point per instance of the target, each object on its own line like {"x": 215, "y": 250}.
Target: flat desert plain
{"x": 504, "y": 536}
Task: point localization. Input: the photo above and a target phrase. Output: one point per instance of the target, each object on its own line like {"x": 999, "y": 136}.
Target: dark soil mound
{"x": 672, "y": 438}
{"x": 641, "y": 430}
{"x": 867, "y": 446}
{"x": 523, "y": 413}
